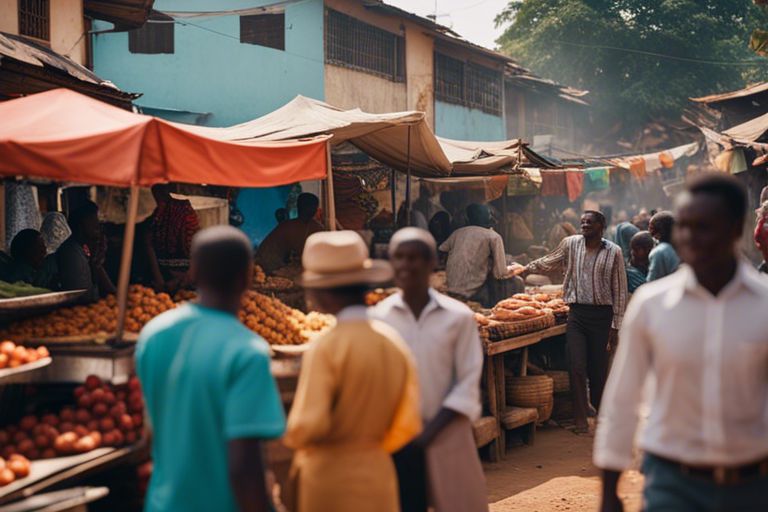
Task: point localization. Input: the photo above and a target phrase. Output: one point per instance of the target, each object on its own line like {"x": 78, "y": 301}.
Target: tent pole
{"x": 393, "y": 191}
{"x": 125, "y": 261}
{"x": 408, "y": 183}
{"x": 330, "y": 200}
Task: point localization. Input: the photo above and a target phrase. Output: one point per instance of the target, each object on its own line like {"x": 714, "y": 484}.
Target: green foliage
{"x": 640, "y": 59}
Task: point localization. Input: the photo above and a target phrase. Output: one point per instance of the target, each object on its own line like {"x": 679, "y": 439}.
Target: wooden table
{"x": 494, "y": 376}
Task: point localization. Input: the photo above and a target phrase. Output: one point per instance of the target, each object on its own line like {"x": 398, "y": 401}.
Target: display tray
{"x": 503, "y": 330}
{"x": 8, "y": 375}
{"x": 56, "y": 501}
{"x": 82, "y": 339}
{"x": 48, "y": 472}
{"x": 43, "y": 300}
{"x": 291, "y": 349}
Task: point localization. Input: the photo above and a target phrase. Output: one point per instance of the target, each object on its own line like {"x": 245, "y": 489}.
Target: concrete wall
{"x": 67, "y": 26}
{"x": 211, "y": 71}
{"x": 458, "y": 122}
{"x": 348, "y": 88}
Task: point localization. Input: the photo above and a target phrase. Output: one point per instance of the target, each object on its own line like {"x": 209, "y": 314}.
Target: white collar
{"x": 435, "y": 302}
{"x": 743, "y": 278}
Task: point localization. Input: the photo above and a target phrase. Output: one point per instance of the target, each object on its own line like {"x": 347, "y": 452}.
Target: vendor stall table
{"x": 23, "y": 373}
{"x": 494, "y": 377}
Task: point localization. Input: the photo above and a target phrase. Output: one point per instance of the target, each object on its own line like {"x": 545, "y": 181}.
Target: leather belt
{"x": 722, "y": 475}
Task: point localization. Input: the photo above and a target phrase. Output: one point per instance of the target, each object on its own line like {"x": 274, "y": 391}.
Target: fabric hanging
{"x": 667, "y": 160}
{"x": 637, "y": 167}
{"x": 596, "y": 179}
{"x": 574, "y": 181}
{"x": 21, "y": 210}
{"x": 738, "y": 162}
{"x": 553, "y": 183}
{"x": 652, "y": 162}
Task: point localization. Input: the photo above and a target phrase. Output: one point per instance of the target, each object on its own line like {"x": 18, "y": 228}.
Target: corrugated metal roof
{"x": 125, "y": 14}
{"x": 726, "y": 96}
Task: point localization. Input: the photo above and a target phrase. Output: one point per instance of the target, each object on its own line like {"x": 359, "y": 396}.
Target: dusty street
{"x": 556, "y": 474}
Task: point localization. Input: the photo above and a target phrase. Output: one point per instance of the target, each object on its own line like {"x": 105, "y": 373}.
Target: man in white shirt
{"x": 443, "y": 336}
{"x": 701, "y": 333}
{"x": 477, "y": 263}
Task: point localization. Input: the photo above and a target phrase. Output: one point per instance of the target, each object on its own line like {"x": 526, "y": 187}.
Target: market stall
{"x": 62, "y": 136}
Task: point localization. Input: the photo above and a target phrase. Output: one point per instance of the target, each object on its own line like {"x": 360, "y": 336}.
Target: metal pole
{"x": 393, "y": 191}
{"x": 330, "y": 200}
{"x": 125, "y": 261}
{"x": 408, "y": 183}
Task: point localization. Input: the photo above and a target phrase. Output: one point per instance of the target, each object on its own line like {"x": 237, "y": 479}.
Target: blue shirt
{"x": 663, "y": 261}
{"x": 635, "y": 278}
{"x": 206, "y": 380}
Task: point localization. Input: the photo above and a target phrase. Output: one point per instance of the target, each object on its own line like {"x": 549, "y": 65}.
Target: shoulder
{"x": 453, "y": 306}
{"x": 165, "y": 322}
{"x": 611, "y": 246}
{"x": 656, "y": 291}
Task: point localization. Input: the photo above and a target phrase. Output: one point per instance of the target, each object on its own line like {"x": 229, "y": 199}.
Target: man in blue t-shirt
{"x": 663, "y": 259}
{"x": 208, "y": 389}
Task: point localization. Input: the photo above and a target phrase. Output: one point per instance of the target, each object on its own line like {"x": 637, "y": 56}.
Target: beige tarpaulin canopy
{"x": 384, "y": 137}
{"x": 751, "y": 131}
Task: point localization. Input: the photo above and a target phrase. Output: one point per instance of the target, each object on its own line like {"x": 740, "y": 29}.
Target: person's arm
{"x": 106, "y": 286}
{"x": 310, "y": 417}
{"x": 247, "y": 475}
{"x": 500, "y": 270}
{"x": 555, "y": 260}
{"x": 618, "y": 291}
{"x": 448, "y": 244}
{"x": 253, "y": 412}
{"x": 655, "y": 265}
{"x": 619, "y": 410}
{"x": 464, "y": 397}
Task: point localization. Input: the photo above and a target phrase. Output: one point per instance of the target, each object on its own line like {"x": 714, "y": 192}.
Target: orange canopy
{"x": 65, "y": 136}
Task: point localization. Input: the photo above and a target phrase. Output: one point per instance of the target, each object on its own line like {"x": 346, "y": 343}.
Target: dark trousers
{"x": 587, "y": 341}
{"x": 667, "y": 489}
{"x": 411, "y": 466}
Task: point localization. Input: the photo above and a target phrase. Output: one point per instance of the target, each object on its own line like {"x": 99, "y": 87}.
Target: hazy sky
{"x": 473, "y": 19}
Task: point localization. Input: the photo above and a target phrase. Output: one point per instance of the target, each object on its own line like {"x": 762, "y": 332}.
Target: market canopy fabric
{"x": 751, "y": 131}
{"x": 383, "y": 137}
{"x": 65, "y": 136}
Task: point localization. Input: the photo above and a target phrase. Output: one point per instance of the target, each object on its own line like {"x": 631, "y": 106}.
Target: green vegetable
{"x": 19, "y": 289}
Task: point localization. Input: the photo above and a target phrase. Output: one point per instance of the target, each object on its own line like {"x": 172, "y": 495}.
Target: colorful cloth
{"x": 206, "y": 381}
{"x": 553, "y": 183}
{"x": 574, "y": 182}
{"x": 356, "y": 403}
{"x": 174, "y": 224}
{"x": 761, "y": 236}
{"x": 637, "y": 168}
{"x": 596, "y": 179}
{"x": 624, "y": 233}
{"x": 663, "y": 261}
{"x": 591, "y": 278}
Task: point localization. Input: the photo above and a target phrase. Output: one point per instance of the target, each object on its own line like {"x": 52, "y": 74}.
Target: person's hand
{"x": 516, "y": 269}
{"x": 613, "y": 340}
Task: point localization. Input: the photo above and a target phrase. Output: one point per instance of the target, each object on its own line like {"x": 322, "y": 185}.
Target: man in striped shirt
{"x": 595, "y": 287}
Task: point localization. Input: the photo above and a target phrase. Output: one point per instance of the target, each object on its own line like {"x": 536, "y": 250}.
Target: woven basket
{"x": 562, "y": 380}
{"x": 531, "y": 391}
{"x": 504, "y": 330}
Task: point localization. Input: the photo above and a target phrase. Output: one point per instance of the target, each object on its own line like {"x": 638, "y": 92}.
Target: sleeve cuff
{"x": 469, "y": 408}
{"x": 611, "y": 460}
{"x": 261, "y": 431}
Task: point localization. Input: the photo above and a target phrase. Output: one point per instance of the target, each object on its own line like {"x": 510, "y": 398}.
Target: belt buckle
{"x": 721, "y": 475}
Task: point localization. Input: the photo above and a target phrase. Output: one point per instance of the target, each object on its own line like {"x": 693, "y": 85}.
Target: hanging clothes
{"x": 637, "y": 168}
{"x": 596, "y": 179}
{"x": 553, "y": 183}
{"x": 666, "y": 159}
{"x": 574, "y": 181}
{"x": 21, "y": 210}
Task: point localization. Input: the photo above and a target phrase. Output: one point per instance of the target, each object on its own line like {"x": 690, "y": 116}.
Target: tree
{"x": 640, "y": 59}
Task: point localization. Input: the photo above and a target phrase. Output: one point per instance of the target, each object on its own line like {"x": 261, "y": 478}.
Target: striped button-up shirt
{"x": 591, "y": 277}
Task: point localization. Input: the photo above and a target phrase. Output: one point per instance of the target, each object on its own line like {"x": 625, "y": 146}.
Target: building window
{"x": 263, "y": 29}
{"x": 35, "y": 19}
{"x": 467, "y": 84}
{"x": 155, "y": 36}
{"x": 353, "y": 44}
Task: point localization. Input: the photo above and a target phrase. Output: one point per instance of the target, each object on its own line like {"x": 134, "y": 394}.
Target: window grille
{"x": 35, "y": 19}
{"x": 152, "y": 38}
{"x": 467, "y": 84}
{"x": 264, "y": 30}
{"x": 357, "y": 45}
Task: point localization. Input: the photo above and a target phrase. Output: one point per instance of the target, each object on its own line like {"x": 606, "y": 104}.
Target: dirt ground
{"x": 555, "y": 474}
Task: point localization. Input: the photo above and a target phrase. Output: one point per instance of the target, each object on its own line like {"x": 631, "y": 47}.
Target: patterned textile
{"x": 474, "y": 254}
{"x": 174, "y": 224}
{"x": 21, "y": 210}
{"x": 55, "y": 230}
{"x": 594, "y": 278}
{"x": 553, "y": 183}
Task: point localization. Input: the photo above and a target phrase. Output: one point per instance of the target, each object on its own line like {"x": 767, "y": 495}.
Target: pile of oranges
{"x": 259, "y": 277}
{"x": 13, "y": 356}
{"x": 279, "y": 324}
{"x": 99, "y": 318}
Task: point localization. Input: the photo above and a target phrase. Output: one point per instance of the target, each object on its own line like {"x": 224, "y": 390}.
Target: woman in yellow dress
{"x": 357, "y": 398}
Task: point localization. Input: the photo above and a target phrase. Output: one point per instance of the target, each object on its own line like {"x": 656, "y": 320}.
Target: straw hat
{"x": 333, "y": 259}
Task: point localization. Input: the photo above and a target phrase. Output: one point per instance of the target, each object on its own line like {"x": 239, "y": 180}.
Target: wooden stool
{"x": 516, "y": 417}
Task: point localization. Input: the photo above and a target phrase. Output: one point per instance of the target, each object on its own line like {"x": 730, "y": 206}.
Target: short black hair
{"x": 598, "y": 215}
{"x": 642, "y": 239}
{"x": 23, "y": 242}
{"x": 221, "y": 258}
{"x": 307, "y": 204}
{"x": 725, "y": 187}
{"x": 82, "y": 212}
{"x": 664, "y": 221}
